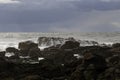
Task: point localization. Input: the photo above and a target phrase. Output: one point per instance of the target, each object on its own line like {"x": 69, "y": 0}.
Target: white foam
{"x": 78, "y": 56}
{"x": 43, "y": 47}
{"x": 40, "y": 58}
{"x": 23, "y": 57}
{"x": 9, "y": 54}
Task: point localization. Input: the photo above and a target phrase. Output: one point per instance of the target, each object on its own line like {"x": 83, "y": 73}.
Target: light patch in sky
{"x": 8, "y": 1}
{"x": 116, "y": 24}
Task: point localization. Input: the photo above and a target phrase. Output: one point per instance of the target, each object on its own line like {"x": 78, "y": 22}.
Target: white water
{"x": 9, "y": 54}
{"x": 12, "y": 39}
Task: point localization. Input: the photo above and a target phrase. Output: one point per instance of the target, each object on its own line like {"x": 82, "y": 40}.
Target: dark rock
{"x": 34, "y": 53}
{"x": 92, "y": 66}
{"x": 70, "y": 45}
{"x": 114, "y": 59}
{"x": 50, "y": 41}
{"x": 88, "y": 43}
{"x": 12, "y": 50}
{"x": 3, "y": 63}
{"x": 115, "y": 45}
{"x": 103, "y": 51}
{"x": 59, "y": 62}
{"x": 26, "y": 46}
{"x": 59, "y": 56}
{"x": 32, "y": 77}
{"x": 53, "y": 41}
{"x": 52, "y": 48}
{"x": 2, "y": 54}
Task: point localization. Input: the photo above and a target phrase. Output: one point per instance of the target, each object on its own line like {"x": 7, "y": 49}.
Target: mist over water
{"x": 12, "y": 39}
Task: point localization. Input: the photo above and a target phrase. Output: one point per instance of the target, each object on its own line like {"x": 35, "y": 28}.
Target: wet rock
{"x": 53, "y": 41}
{"x": 34, "y": 53}
{"x": 2, "y": 54}
{"x": 12, "y": 50}
{"x": 77, "y": 75}
{"x": 102, "y": 51}
{"x": 88, "y": 43}
{"x": 115, "y": 59}
{"x": 51, "y": 48}
{"x": 115, "y": 45}
{"x": 26, "y": 46}
{"x": 70, "y": 45}
{"x": 3, "y": 63}
{"x": 50, "y": 41}
{"x": 59, "y": 62}
{"x": 59, "y": 56}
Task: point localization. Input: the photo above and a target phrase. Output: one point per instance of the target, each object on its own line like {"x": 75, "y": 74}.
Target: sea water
{"x": 13, "y": 39}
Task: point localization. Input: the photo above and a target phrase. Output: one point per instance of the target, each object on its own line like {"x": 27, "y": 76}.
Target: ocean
{"x": 10, "y": 39}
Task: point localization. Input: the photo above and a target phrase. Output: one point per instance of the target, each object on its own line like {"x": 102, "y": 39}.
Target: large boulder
{"x": 70, "y": 45}
{"x": 114, "y": 60}
{"x": 12, "y": 50}
{"x": 59, "y": 56}
{"x": 116, "y": 45}
{"x": 34, "y": 53}
{"x": 26, "y": 46}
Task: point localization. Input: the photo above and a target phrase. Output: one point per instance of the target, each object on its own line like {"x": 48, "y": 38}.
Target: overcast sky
{"x": 59, "y": 15}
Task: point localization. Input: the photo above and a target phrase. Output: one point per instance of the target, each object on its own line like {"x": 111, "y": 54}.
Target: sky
{"x": 59, "y": 15}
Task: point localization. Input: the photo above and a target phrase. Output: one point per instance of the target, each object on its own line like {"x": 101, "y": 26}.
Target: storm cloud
{"x": 59, "y": 15}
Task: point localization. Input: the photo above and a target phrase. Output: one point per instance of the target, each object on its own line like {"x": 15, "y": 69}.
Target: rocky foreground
{"x": 57, "y": 62}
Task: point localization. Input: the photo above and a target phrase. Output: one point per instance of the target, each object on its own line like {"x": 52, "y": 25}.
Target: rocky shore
{"x": 62, "y": 60}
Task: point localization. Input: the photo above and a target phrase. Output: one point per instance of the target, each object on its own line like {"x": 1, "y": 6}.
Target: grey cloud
{"x": 59, "y": 15}
{"x": 93, "y": 21}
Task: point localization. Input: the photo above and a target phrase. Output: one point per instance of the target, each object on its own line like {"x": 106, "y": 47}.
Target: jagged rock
{"x": 59, "y": 56}
{"x": 70, "y": 45}
{"x": 111, "y": 73}
{"x": 88, "y": 43}
{"x": 12, "y": 50}
{"x": 5, "y": 67}
{"x": 92, "y": 64}
{"x": 115, "y": 45}
{"x": 50, "y": 41}
{"x": 52, "y": 47}
{"x": 53, "y": 41}
{"x": 2, "y": 54}
{"x": 3, "y": 63}
{"x": 59, "y": 62}
{"x": 77, "y": 75}
{"x": 103, "y": 51}
{"x": 26, "y": 46}
{"x": 34, "y": 53}
{"x": 115, "y": 59}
